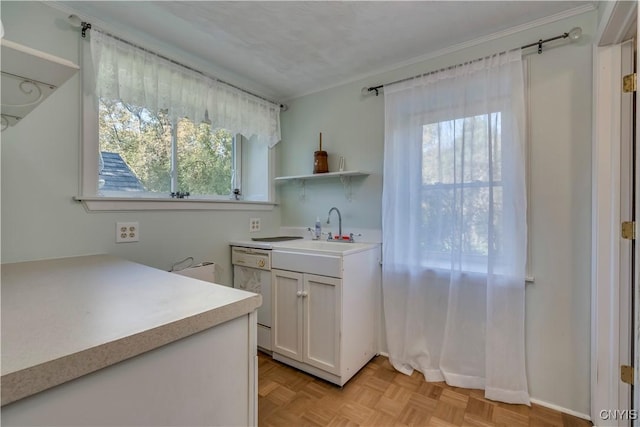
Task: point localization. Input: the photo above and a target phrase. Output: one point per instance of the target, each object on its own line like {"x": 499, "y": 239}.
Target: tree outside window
{"x": 461, "y": 189}
{"x": 168, "y": 157}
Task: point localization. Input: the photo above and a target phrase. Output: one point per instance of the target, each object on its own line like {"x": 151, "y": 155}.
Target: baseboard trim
{"x": 560, "y": 409}
{"x": 537, "y": 402}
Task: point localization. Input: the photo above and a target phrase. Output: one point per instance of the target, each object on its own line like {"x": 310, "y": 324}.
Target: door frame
{"x": 618, "y": 19}
{"x": 626, "y": 296}
{"x": 636, "y": 254}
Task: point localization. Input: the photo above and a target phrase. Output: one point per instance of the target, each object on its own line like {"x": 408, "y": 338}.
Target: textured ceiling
{"x": 287, "y": 49}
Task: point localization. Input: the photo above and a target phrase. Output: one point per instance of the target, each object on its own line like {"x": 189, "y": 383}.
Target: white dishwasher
{"x": 252, "y": 272}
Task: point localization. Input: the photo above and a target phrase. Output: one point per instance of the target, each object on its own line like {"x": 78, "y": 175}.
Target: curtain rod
{"x": 574, "y": 34}
{"x": 75, "y": 21}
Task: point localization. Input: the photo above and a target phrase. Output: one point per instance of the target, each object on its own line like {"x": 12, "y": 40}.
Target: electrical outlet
{"x": 254, "y": 225}
{"x": 127, "y": 232}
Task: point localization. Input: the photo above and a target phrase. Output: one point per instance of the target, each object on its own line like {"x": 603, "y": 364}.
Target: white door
{"x": 322, "y": 320}
{"x": 287, "y": 325}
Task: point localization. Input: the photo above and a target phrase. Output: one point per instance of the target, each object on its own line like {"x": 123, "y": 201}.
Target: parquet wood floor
{"x": 380, "y": 396}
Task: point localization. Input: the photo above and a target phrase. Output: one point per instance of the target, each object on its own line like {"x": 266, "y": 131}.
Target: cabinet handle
{"x": 305, "y": 294}
{"x": 299, "y": 293}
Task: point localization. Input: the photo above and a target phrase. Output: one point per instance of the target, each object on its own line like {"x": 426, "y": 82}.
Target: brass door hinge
{"x": 628, "y": 230}
{"x": 629, "y": 83}
{"x": 626, "y": 374}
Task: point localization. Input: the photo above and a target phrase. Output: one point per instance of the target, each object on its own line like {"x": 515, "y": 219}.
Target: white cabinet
{"x": 206, "y": 379}
{"x": 321, "y": 308}
{"x": 325, "y": 323}
{"x": 307, "y": 318}
{"x": 287, "y": 313}
{"x": 124, "y": 345}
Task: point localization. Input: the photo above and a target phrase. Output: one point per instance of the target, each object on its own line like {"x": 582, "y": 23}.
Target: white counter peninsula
{"x": 96, "y": 340}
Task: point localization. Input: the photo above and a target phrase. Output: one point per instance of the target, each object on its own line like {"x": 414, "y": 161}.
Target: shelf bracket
{"x": 345, "y": 179}
{"x": 346, "y": 183}
{"x": 303, "y": 189}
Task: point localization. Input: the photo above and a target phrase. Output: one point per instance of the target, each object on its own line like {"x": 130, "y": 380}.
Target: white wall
{"x": 40, "y": 168}
{"x": 557, "y": 306}
{"x": 40, "y": 175}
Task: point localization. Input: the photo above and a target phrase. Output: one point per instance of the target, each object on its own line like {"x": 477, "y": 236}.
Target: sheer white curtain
{"x": 454, "y": 226}
{"x": 141, "y": 78}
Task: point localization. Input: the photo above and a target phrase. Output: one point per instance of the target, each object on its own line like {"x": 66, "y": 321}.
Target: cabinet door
{"x": 286, "y": 294}
{"x": 322, "y": 300}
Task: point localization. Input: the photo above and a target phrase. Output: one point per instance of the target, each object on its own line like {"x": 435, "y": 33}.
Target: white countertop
{"x": 65, "y": 318}
{"x": 252, "y": 244}
{"x": 309, "y": 246}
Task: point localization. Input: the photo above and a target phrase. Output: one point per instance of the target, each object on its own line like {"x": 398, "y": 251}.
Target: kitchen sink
{"x": 323, "y": 246}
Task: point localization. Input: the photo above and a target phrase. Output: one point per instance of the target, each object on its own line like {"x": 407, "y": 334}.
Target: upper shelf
{"x": 345, "y": 178}
{"x": 29, "y": 76}
{"x": 342, "y": 174}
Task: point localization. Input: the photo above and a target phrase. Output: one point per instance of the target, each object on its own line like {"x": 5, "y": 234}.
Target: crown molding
{"x": 412, "y": 61}
{"x": 457, "y": 47}
{"x": 617, "y": 23}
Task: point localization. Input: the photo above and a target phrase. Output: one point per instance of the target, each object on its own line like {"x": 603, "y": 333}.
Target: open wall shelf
{"x": 344, "y": 176}
{"x": 29, "y": 76}
{"x": 341, "y": 175}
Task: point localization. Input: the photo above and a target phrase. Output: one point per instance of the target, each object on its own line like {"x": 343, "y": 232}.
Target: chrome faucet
{"x": 339, "y": 221}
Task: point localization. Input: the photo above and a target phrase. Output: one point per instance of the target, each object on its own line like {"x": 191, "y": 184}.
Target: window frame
{"x": 440, "y": 262}
{"x": 89, "y": 167}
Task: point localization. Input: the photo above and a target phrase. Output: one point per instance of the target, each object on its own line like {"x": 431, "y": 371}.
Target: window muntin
{"x": 461, "y": 166}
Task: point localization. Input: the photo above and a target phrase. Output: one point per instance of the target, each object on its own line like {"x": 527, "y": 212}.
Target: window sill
{"x": 115, "y": 204}
{"x": 529, "y": 279}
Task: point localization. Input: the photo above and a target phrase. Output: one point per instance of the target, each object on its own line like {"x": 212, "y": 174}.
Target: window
{"x": 155, "y": 129}
{"x": 461, "y": 187}
{"x": 454, "y": 223}
{"x": 163, "y": 156}
{"x": 454, "y": 194}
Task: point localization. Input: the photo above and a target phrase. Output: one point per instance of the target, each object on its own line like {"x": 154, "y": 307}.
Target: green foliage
{"x": 204, "y": 159}
{"x": 143, "y": 140}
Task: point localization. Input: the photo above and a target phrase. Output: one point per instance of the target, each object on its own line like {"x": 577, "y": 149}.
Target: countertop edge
{"x": 291, "y": 247}
{"x": 26, "y": 382}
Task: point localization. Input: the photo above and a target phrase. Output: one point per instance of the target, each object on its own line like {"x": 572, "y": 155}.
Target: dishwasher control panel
{"x": 249, "y": 257}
